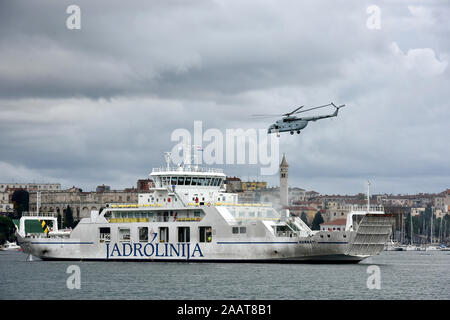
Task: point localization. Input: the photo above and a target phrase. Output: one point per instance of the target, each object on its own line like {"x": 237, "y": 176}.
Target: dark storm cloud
{"x": 98, "y": 105}
{"x": 182, "y": 49}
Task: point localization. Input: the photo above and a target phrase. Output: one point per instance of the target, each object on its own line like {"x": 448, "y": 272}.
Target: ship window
{"x": 124, "y": 214}
{"x": 208, "y": 181}
{"x": 163, "y": 181}
{"x": 201, "y": 181}
{"x": 242, "y": 230}
{"x": 194, "y": 181}
{"x": 187, "y": 182}
{"x": 136, "y": 214}
{"x": 173, "y": 181}
{"x": 105, "y": 234}
{"x": 184, "y": 234}
{"x": 235, "y": 230}
{"x": 216, "y": 182}
{"x": 124, "y": 234}
{"x": 163, "y": 234}
{"x": 205, "y": 234}
{"x": 143, "y": 234}
{"x": 197, "y": 214}
{"x": 180, "y": 181}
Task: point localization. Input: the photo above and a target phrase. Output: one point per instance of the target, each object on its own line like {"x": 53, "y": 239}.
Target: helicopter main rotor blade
{"x": 265, "y": 115}
{"x": 326, "y": 105}
{"x": 292, "y": 112}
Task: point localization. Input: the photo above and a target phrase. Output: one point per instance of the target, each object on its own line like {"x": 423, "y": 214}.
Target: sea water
{"x": 402, "y": 275}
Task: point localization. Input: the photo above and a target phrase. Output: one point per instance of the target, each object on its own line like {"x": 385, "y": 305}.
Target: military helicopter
{"x": 292, "y": 123}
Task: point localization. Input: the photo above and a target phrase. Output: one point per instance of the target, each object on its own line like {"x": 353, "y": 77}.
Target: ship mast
{"x": 431, "y": 228}
{"x": 167, "y": 156}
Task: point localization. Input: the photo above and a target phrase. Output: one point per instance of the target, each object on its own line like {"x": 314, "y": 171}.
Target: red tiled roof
{"x": 335, "y": 222}
{"x": 301, "y": 208}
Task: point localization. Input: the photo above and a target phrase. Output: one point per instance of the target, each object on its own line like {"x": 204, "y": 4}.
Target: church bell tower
{"x": 284, "y": 191}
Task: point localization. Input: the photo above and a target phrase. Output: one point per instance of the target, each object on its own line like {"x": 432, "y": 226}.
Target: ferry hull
{"x": 292, "y": 251}
{"x": 260, "y": 241}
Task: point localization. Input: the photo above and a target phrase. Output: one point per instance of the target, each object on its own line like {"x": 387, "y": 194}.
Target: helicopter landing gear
{"x": 292, "y": 132}
{"x": 298, "y": 131}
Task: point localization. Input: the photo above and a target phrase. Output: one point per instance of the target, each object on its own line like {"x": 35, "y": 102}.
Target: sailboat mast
{"x": 431, "y": 228}
{"x": 411, "y": 230}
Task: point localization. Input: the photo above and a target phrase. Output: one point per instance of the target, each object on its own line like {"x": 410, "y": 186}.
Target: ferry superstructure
{"x": 188, "y": 216}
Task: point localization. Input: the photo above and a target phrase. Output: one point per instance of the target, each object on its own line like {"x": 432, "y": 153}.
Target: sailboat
{"x": 431, "y": 246}
{"x": 411, "y": 246}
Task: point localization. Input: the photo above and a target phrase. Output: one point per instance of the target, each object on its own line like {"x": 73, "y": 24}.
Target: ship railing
{"x": 37, "y": 214}
{"x": 192, "y": 204}
{"x": 133, "y": 205}
{"x": 187, "y": 169}
{"x": 244, "y": 204}
{"x": 362, "y": 208}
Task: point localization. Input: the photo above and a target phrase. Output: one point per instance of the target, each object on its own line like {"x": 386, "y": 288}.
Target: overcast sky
{"x": 98, "y": 105}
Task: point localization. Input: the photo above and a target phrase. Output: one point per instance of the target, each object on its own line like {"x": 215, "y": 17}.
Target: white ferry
{"x": 188, "y": 216}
